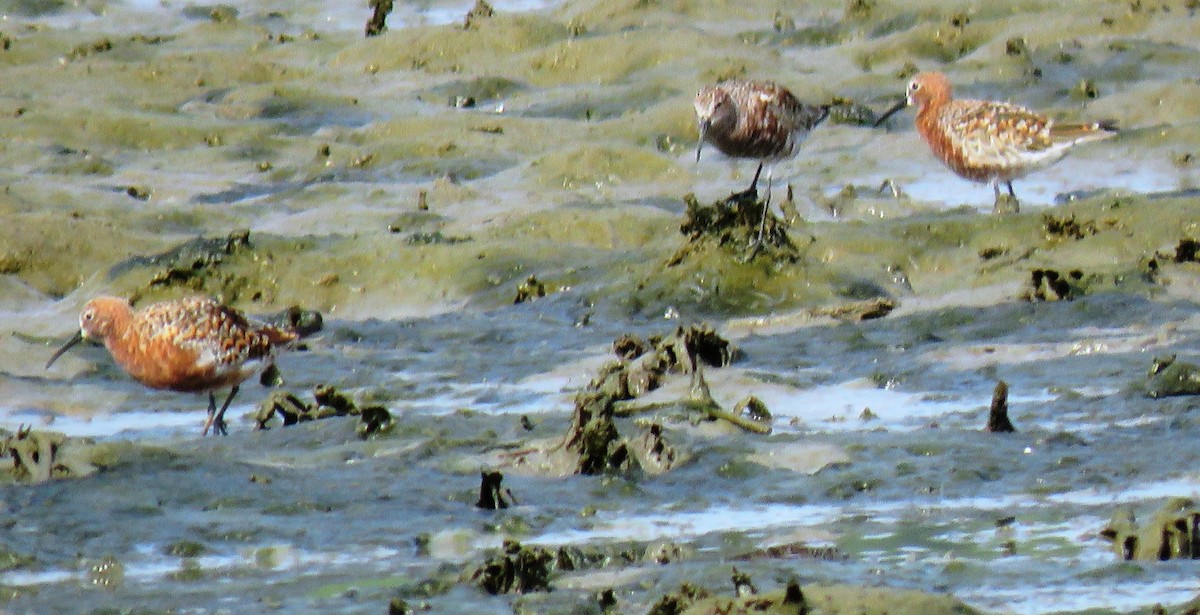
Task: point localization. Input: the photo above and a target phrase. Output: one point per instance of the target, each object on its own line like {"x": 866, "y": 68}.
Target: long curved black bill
{"x": 700, "y": 142}
{"x": 75, "y": 339}
{"x": 890, "y": 112}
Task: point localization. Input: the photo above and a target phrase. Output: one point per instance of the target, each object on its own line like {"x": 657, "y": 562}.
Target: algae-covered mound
{"x": 1169, "y": 376}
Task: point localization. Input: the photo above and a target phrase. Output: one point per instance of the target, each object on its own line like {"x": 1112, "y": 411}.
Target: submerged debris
{"x": 491, "y": 495}
{"x": 328, "y": 402}
{"x": 1173, "y": 533}
{"x": 868, "y": 309}
{"x": 529, "y": 290}
{"x": 1170, "y": 377}
{"x": 998, "y": 415}
{"x": 733, "y": 225}
{"x": 435, "y": 238}
{"x": 515, "y": 570}
{"x": 794, "y": 549}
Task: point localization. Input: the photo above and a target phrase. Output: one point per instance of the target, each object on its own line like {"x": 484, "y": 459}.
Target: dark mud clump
{"x": 998, "y": 421}
{"x": 38, "y": 456}
{"x": 1172, "y": 533}
{"x": 1169, "y": 377}
{"x": 1052, "y": 285}
{"x": 301, "y": 321}
{"x": 492, "y": 495}
{"x": 1070, "y": 227}
{"x": 1187, "y": 251}
{"x": 377, "y": 24}
{"x": 328, "y": 402}
{"x": 732, "y": 225}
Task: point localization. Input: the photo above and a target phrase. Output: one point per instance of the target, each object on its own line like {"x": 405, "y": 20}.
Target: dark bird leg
{"x": 752, "y": 191}
{"x": 212, "y": 413}
{"x": 216, "y": 418}
{"x": 1013, "y": 195}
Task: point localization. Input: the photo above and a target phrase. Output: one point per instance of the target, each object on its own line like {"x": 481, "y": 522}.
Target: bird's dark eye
{"x": 914, "y": 86}
{"x": 87, "y": 316}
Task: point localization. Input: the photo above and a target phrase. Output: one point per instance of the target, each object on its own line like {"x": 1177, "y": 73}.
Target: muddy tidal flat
{"x": 542, "y": 371}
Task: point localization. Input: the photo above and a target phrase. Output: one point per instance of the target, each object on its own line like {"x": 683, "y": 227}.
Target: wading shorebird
{"x": 192, "y": 345}
{"x": 759, "y": 120}
{"x": 990, "y": 141}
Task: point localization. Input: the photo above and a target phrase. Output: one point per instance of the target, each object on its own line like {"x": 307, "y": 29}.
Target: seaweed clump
{"x": 690, "y": 599}
{"x": 530, "y": 290}
{"x": 733, "y": 224}
{"x": 1069, "y": 227}
{"x": 38, "y": 456}
{"x": 328, "y": 402}
{"x": 1051, "y": 285}
{"x": 516, "y": 569}
{"x": 1172, "y": 533}
{"x": 791, "y": 599}
{"x": 643, "y": 365}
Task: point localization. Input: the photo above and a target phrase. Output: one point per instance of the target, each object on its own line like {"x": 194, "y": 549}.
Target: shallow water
{"x": 572, "y": 167}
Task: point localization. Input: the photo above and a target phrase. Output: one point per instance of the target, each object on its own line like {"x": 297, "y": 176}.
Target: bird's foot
{"x": 1006, "y": 204}
{"x": 216, "y": 424}
{"x": 756, "y": 246}
{"x": 890, "y": 186}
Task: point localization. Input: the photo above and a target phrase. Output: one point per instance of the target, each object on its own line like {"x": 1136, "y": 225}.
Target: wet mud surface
{"x": 546, "y": 370}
